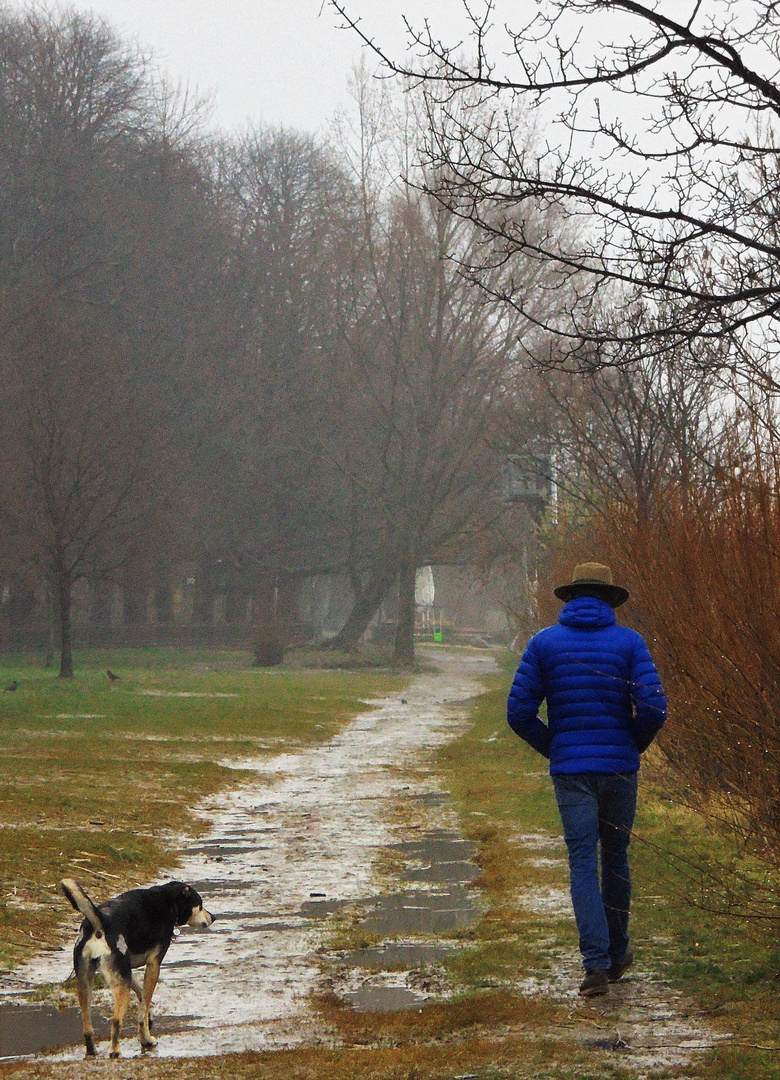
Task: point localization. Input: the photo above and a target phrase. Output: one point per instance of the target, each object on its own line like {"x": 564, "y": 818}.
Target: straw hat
{"x": 593, "y": 579}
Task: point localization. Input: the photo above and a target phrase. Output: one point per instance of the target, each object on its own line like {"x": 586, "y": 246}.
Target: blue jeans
{"x": 598, "y": 808}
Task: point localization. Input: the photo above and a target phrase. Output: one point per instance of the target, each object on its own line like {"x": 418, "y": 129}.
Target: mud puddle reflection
{"x": 35, "y": 1029}
{"x": 402, "y": 973}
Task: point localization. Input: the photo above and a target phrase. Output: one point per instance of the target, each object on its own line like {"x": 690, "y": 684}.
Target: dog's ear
{"x": 183, "y": 899}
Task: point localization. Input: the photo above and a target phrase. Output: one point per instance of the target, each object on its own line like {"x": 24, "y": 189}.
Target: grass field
{"x": 98, "y": 777}
{"x": 724, "y": 970}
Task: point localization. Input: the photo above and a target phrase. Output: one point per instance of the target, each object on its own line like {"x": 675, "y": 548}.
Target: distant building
{"x": 528, "y": 478}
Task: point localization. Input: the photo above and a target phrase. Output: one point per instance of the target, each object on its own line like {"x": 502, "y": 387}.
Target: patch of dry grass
{"x": 480, "y": 1057}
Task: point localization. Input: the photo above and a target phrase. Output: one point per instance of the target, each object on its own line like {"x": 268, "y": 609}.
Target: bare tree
{"x": 274, "y": 513}
{"x": 660, "y": 150}
{"x": 112, "y": 276}
{"x": 71, "y": 99}
{"x": 624, "y": 436}
{"x": 416, "y": 381}
{"x": 85, "y": 458}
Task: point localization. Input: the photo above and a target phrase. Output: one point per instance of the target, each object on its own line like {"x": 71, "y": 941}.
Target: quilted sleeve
{"x": 647, "y": 696}
{"x": 525, "y": 697}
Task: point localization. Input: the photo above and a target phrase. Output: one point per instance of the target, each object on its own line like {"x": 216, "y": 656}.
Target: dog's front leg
{"x": 151, "y": 975}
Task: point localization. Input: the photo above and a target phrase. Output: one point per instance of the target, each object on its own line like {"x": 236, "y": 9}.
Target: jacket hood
{"x": 587, "y": 612}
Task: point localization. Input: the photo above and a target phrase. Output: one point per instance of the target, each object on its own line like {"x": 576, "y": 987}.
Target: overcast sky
{"x": 278, "y": 61}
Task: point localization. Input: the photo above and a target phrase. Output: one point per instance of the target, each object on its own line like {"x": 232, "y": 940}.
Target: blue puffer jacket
{"x": 605, "y": 703}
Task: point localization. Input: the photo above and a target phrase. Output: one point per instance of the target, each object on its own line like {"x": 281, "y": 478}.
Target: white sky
{"x": 274, "y": 61}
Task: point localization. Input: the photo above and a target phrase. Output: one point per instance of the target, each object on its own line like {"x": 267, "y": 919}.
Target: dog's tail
{"x": 81, "y": 902}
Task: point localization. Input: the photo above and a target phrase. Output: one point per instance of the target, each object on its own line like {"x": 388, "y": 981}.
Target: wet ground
{"x": 296, "y": 849}
{"x": 284, "y": 854}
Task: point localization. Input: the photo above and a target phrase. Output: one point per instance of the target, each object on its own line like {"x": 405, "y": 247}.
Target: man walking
{"x": 605, "y": 705}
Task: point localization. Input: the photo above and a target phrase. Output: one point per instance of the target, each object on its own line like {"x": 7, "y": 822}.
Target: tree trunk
{"x": 65, "y": 603}
{"x": 236, "y": 603}
{"x": 269, "y": 640}
{"x": 403, "y": 650}
{"x": 134, "y": 609}
{"x": 288, "y": 609}
{"x": 363, "y": 611}
{"x": 205, "y": 592}
{"x": 100, "y": 612}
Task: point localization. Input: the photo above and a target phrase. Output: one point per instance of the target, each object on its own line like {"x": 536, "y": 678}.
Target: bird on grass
{"x": 12, "y": 685}
{"x": 112, "y": 676}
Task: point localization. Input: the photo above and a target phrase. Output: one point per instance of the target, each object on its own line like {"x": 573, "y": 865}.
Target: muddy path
{"x": 281, "y": 853}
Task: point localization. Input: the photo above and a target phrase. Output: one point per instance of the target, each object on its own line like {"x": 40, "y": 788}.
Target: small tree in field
{"x": 85, "y": 460}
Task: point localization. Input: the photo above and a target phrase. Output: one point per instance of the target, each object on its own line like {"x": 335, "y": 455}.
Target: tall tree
{"x": 85, "y": 456}
{"x": 274, "y": 513}
{"x": 416, "y": 381}
{"x": 112, "y": 266}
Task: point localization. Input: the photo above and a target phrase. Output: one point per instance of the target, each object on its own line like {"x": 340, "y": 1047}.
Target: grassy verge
{"x": 726, "y": 970}
{"x": 98, "y": 776}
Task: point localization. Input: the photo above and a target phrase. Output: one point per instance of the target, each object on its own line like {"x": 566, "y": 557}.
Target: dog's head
{"x": 188, "y": 905}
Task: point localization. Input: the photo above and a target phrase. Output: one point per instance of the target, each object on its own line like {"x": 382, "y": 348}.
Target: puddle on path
{"x": 35, "y": 1029}
{"x": 32, "y": 1029}
{"x": 282, "y": 855}
{"x": 423, "y": 913}
{"x": 441, "y": 902}
{"x": 401, "y": 974}
{"x": 382, "y": 998}
{"x": 396, "y": 956}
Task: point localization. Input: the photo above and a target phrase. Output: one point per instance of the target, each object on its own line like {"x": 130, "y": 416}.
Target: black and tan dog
{"x": 133, "y": 930}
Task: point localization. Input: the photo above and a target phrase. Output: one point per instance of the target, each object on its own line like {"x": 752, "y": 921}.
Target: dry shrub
{"x": 704, "y": 574}
{"x": 707, "y": 576}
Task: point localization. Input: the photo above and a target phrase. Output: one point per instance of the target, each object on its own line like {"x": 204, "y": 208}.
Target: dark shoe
{"x": 621, "y": 966}
{"x": 594, "y": 983}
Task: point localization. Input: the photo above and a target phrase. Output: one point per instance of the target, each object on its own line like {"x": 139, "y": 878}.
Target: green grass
{"x": 726, "y": 968}
{"x": 96, "y": 776}
{"x": 500, "y": 789}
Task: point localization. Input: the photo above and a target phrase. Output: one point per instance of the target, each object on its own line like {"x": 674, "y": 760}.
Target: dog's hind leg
{"x": 121, "y": 985}
{"x": 151, "y": 975}
{"x": 85, "y": 970}
{"x": 121, "y": 1001}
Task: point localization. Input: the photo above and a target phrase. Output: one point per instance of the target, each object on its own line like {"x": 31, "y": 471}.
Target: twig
{"x": 101, "y": 874}
{"x": 586, "y": 1020}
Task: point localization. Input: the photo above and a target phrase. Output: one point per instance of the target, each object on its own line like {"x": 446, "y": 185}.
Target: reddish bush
{"x": 704, "y": 574}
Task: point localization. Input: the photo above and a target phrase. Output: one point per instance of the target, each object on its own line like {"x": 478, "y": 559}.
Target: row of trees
{"x": 259, "y": 349}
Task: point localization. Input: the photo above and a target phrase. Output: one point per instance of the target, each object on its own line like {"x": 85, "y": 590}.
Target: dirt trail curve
{"x": 312, "y": 823}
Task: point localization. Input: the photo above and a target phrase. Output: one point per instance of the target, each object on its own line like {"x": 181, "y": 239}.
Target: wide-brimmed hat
{"x": 593, "y": 579}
